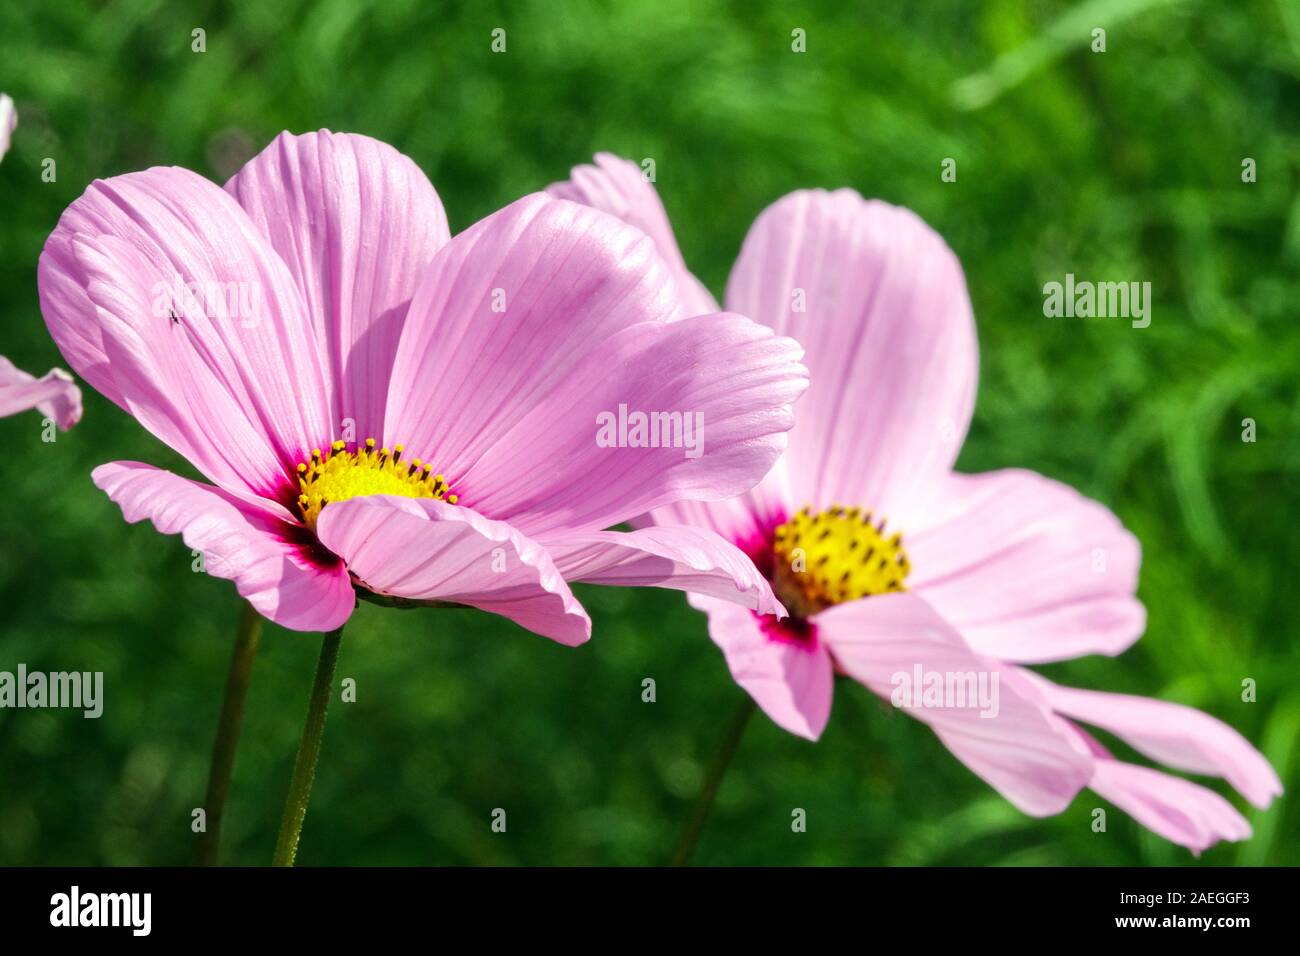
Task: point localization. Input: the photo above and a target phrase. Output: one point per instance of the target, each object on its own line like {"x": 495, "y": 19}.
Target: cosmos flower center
{"x": 339, "y": 474}
{"x": 834, "y": 556}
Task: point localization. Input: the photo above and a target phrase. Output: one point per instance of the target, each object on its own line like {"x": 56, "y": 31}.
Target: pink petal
{"x": 1176, "y": 809}
{"x": 566, "y": 276}
{"x": 8, "y": 122}
{"x": 791, "y": 681}
{"x": 1180, "y": 737}
{"x": 54, "y": 395}
{"x": 1027, "y": 569}
{"x": 681, "y": 558}
{"x": 272, "y": 562}
{"x": 427, "y": 550}
{"x": 506, "y": 404}
{"x": 1021, "y": 751}
{"x": 618, "y": 187}
{"x": 729, "y": 378}
{"x": 890, "y": 340}
{"x": 234, "y": 381}
{"x": 357, "y": 223}
{"x": 746, "y": 519}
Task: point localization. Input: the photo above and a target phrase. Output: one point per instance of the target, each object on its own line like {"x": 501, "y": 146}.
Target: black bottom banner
{"x": 332, "y": 905}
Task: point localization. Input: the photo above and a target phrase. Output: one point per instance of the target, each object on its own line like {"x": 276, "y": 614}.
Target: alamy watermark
{"x": 209, "y": 299}
{"x": 78, "y": 690}
{"x": 921, "y": 689}
{"x": 1102, "y": 300}
{"x": 130, "y": 910}
{"x": 634, "y": 429}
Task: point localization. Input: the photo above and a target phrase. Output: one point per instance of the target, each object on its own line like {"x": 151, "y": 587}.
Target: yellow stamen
{"x": 343, "y": 474}
{"x": 834, "y": 556}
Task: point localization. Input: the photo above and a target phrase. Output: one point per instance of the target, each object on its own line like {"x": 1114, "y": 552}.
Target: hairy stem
{"x": 304, "y": 767}
{"x": 709, "y": 791}
{"x": 225, "y": 746}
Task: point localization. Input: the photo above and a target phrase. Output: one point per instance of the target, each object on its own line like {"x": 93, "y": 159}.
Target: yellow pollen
{"x": 341, "y": 474}
{"x": 834, "y": 556}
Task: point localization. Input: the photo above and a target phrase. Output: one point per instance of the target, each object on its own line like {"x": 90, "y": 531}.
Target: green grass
{"x": 1117, "y": 165}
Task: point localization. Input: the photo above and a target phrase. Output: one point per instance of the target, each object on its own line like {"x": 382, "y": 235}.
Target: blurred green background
{"x": 1123, "y": 164}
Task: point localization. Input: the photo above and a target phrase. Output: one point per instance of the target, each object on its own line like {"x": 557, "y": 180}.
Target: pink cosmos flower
{"x": 54, "y": 394}
{"x": 8, "y": 122}
{"x": 895, "y": 568}
{"x": 377, "y": 404}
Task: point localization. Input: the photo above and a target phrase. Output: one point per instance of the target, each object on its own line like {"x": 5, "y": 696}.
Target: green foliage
{"x": 1117, "y": 165}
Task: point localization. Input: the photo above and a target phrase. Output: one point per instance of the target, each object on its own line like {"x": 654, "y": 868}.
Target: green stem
{"x": 304, "y": 767}
{"x": 227, "y": 741}
{"x": 717, "y": 770}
